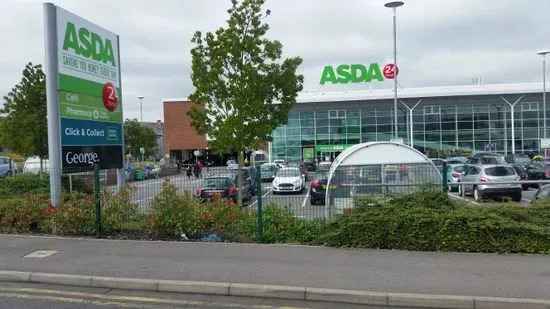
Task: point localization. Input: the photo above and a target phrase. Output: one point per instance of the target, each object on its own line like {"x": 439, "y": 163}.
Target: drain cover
{"x": 39, "y": 254}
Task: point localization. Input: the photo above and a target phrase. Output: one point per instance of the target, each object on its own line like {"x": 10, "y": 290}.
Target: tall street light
{"x": 141, "y": 109}
{"x": 543, "y": 53}
{"x": 394, "y": 5}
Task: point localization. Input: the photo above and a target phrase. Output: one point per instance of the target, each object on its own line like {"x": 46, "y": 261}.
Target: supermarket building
{"x": 470, "y": 118}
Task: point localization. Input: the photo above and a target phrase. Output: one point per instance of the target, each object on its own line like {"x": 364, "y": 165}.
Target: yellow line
{"x": 133, "y": 298}
{"x": 72, "y": 300}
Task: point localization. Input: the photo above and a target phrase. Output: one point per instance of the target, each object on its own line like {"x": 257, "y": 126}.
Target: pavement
{"x": 298, "y": 268}
{"x": 526, "y": 197}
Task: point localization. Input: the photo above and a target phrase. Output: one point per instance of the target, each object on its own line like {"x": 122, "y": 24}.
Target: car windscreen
{"x": 458, "y": 169}
{"x": 500, "y": 171}
{"x": 288, "y": 173}
{"x": 4, "y": 161}
{"x": 522, "y": 159}
{"x": 490, "y": 160}
{"x": 267, "y": 168}
{"x": 216, "y": 183}
{"x": 320, "y": 176}
{"x": 519, "y": 169}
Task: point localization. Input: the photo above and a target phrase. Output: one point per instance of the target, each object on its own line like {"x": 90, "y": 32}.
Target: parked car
{"x": 438, "y": 163}
{"x": 542, "y": 193}
{"x": 486, "y": 160}
{"x": 279, "y": 162}
{"x": 219, "y": 186}
{"x": 517, "y": 159}
{"x": 232, "y": 165}
{"x": 288, "y": 179}
{"x": 268, "y": 171}
{"x": 301, "y": 166}
{"x": 456, "y": 160}
{"x": 324, "y": 166}
{"x": 249, "y": 176}
{"x": 310, "y": 165}
{"x": 8, "y": 167}
{"x": 454, "y": 172}
{"x": 32, "y": 165}
{"x": 538, "y": 171}
{"x": 491, "y": 175}
{"x": 522, "y": 172}
{"x": 319, "y": 188}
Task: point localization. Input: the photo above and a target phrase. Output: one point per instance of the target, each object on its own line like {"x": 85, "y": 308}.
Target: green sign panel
{"x": 308, "y": 153}
{"x": 89, "y": 93}
{"x": 354, "y": 73}
{"x": 331, "y": 148}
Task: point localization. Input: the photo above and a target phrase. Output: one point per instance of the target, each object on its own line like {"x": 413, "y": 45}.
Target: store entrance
{"x": 327, "y": 156}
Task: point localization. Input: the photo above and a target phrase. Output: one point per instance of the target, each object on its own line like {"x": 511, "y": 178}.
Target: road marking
{"x": 463, "y": 198}
{"x": 40, "y": 254}
{"x": 118, "y": 300}
{"x": 305, "y": 199}
{"x": 270, "y": 190}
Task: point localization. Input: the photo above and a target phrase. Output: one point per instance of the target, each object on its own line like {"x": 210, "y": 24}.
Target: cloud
{"x": 440, "y": 42}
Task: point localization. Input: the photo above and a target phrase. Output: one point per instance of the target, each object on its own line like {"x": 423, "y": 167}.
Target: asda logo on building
{"x": 354, "y": 73}
{"x": 88, "y": 44}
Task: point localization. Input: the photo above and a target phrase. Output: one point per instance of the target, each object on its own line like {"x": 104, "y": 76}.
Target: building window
{"x": 529, "y": 106}
{"x": 335, "y": 114}
{"x": 432, "y": 110}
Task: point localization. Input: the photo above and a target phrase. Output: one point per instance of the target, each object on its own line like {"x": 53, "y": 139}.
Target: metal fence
{"x": 319, "y": 194}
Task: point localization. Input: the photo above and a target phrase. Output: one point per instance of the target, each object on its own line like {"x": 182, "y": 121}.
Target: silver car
{"x": 491, "y": 175}
{"x": 8, "y": 167}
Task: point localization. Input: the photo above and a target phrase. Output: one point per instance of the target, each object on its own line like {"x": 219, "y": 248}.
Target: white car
{"x": 288, "y": 179}
{"x": 280, "y": 163}
{"x": 32, "y": 165}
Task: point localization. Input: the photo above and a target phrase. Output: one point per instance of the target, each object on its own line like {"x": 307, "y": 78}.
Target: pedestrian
{"x": 200, "y": 166}
{"x": 189, "y": 171}
{"x": 402, "y": 172}
{"x": 178, "y": 164}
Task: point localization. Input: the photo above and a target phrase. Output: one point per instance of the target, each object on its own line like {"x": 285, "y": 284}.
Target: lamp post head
{"x": 394, "y": 4}
{"x": 543, "y": 52}
{"x": 140, "y": 97}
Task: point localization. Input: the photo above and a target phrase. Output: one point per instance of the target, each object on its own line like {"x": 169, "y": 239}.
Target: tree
{"x": 137, "y": 136}
{"x": 242, "y": 92}
{"x": 24, "y": 128}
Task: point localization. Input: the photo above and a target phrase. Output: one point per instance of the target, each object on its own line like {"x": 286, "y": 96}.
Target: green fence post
{"x": 259, "y": 192}
{"x": 444, "y": 176}
{"x": 97, "y": 201}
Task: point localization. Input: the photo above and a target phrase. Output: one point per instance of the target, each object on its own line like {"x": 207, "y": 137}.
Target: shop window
{"x": 432, "y": 110}
{"x": 337, "y": 114}
{"x": 529, "y": 106}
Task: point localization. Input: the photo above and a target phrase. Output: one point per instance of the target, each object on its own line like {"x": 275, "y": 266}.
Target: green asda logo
{"x": 88, "y": 44}
{"x": 355, "y": 73}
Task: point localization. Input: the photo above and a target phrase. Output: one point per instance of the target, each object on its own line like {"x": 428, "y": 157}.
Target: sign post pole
{"x": 52, "y": 99}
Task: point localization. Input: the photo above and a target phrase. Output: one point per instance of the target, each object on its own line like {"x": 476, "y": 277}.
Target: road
{"x": 526, "y": 198}
{"x": 32, "y": 296}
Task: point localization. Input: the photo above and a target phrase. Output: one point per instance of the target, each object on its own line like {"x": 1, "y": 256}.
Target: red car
{"x": 302, "y": 166}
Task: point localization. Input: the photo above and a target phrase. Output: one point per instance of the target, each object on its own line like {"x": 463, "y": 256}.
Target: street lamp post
{"x": 394, "y": 5}
{"x": 141, "y": 109}
{"x": 543, "y": 53}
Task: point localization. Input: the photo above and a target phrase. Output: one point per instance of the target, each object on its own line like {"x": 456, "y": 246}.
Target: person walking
{"x": 189, "y": 171}
{"x": 199, "y": 166}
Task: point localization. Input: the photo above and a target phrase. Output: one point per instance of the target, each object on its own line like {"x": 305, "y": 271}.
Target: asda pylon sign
{"x": 88, "y": 91}
{"x": 356, "y": 73}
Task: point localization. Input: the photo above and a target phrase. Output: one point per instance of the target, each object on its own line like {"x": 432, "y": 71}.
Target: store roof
{"x": 424, "y": 92}
{"x": 407, "y": 93}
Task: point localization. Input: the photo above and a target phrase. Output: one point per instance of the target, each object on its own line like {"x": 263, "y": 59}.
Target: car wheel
{"x": 516, "y": 198}
{"x": 460, "y": 190}
{"x": 525, "y": 187}
{"x": 477, "y": 195}
{"x": 313, "y": 201}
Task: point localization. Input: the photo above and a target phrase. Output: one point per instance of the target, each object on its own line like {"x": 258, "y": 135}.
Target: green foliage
{"x": 137, "y": 136}
{"x": 280, "y": 226}
{"x": 21, "y": 184}
{"x": 117, "y": 208}
{"x": 242, "y": 92}
{"x": 76, "y": 215}
{"x": 24, "y": 128}
{"x": 173, "y": 214}
{"x": 23, "y": 215}
{"x": 430, "y": 221}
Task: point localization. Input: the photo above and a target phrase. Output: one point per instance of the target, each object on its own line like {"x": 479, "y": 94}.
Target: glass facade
{"x": 472, "y": 124}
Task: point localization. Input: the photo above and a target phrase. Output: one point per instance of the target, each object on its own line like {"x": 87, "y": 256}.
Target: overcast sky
{"x": 440, "y": 42}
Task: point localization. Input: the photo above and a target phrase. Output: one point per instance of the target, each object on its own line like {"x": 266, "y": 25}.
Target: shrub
{"x": 219, "y": 216}
{"x": 76, "y": 215}
{"x": 280, "y": 226}
{"x": 429, "y": 221}
{"x": 23, "y": 215}
{"x": 21, "y": 184}
{"x": 117, "y": 208}
{"x": 172, "y": 214}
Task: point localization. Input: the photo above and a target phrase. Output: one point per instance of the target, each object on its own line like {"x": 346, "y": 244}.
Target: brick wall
{"x": 178, "y": 133}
